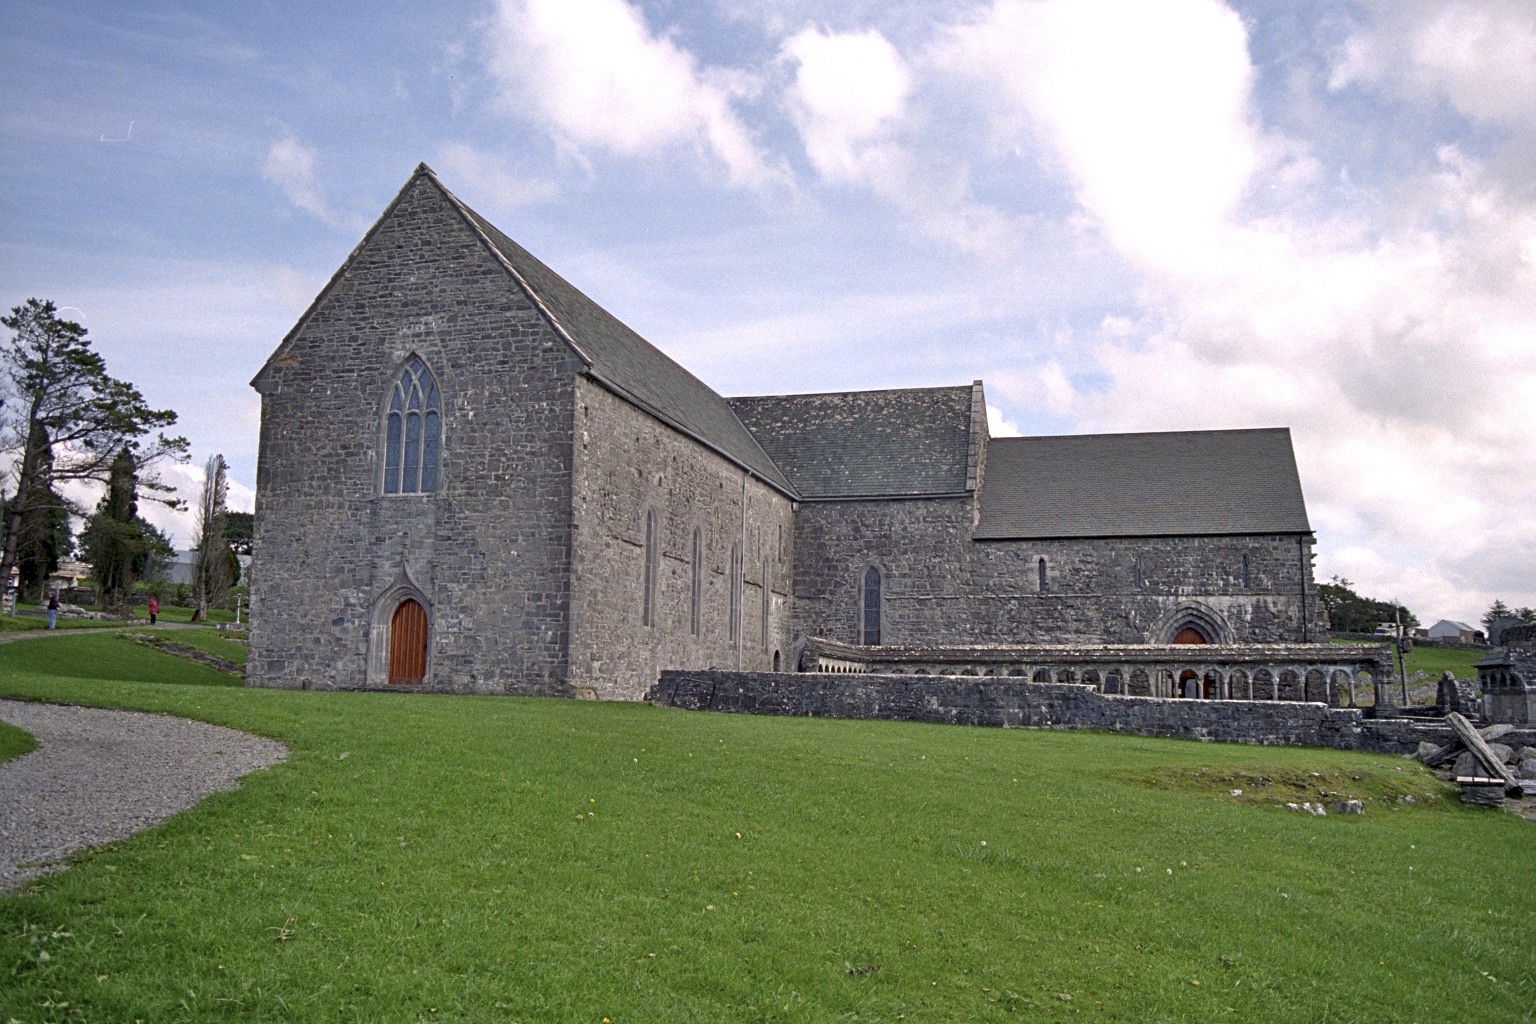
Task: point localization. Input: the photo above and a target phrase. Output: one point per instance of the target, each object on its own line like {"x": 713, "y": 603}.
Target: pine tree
{"x": 69, "y": 420}
{"x": 116, "y": 541}
{"x": 1497, "y": 610}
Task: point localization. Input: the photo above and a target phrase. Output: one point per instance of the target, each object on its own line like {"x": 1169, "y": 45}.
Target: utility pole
{"x": 1397, "y": 618}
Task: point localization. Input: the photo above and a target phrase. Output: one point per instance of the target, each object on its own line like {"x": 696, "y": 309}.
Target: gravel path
{"x": 99, "y": 775}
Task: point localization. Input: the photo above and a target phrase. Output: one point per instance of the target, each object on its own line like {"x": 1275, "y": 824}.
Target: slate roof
{"x": 624, "y": 361}
{"x": 862, "y": 444}
{"x": 1179, "y": 483}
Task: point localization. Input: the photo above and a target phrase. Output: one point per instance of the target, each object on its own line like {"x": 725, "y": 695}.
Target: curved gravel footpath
{"x": 100, "y": 775}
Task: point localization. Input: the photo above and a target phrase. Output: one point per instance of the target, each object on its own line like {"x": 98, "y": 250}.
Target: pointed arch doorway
{"x": 1189, "y": 635}
{"x": 408, "y": 643}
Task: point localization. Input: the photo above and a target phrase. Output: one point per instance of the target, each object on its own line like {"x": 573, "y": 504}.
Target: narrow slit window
{"x": 648, "y": 601}
{"x": 695, "y": 595}
{"x": 1044, "y": 582}
{"x": 871, "y": 623}
{"x": 735, "y": 600}
{"x": 767, "y": 602}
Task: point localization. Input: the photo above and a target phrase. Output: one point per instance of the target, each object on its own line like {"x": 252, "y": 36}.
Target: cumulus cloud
{"x": 595, "y": 76}
{"x": 848, "y": 94}
{"x": 849, "y": 101}
{"x": 1479, "y": 55}
{"x": 1143, "y": 107}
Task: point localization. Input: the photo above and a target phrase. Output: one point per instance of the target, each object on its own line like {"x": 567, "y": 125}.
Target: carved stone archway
{"x": 1191, "y": 619}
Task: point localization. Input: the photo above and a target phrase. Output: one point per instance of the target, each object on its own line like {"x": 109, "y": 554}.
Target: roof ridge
{"x": 1145, "y": 433}
{"x": 853, "y": 391}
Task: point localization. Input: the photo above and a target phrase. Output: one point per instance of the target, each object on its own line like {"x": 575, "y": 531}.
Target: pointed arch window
{"x": 871, "y": 609}
{"x": 413, "y": 431}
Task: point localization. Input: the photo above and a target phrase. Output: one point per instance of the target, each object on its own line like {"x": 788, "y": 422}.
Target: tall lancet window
{"x": 413, "y": 431}
{"x": 871, "y": 617}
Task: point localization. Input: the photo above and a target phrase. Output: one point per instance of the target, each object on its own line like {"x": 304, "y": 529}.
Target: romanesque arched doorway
{"x": 408, "y": 643}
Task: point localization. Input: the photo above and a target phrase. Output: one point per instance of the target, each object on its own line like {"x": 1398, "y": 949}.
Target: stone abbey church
{"x": 474, "y": 479}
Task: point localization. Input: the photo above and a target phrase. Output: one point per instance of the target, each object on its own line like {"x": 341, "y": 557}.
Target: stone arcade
{"x": 473, "y": 479}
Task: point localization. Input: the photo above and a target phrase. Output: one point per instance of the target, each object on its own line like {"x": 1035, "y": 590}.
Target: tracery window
{"x": 413, "y": 431}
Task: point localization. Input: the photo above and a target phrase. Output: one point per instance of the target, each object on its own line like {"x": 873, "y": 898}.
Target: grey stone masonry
{"x": 941, "y": 587}
{"x": 488, "y": 553}
{"x": 1336, "y": 674}
{"x": 628, "y": 467}
{"x": 1507, "y": 677}
{"x": 1019, "y": 704}
{"x": 598, "y": 515}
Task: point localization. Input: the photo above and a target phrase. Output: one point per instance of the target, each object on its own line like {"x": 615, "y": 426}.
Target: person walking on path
{"x": 53, "y": 608}
{"x": 154, "y": 610}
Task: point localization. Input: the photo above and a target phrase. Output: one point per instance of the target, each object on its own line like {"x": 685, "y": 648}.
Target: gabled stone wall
{"x": 488, "y": 554}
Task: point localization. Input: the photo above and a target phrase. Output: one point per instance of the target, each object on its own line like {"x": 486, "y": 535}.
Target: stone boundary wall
{"x": 1005, "y": 703}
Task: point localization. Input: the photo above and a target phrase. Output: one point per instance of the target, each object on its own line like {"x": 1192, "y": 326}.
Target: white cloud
{"x": 1143, "y": 106}
{"x": 1480, "y": 55}
{"x": 487, "y": 183}
{"x": 596, "y": 77}
{"x": 290, "y": 165}
{"x": 998, "y": 425}
{"x": 187, "y": 481}
{"x": 849, "y": 91}
{"x": 849, "y": 101}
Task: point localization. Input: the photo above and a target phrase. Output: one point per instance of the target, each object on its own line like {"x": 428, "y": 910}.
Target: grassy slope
{"x": 210, "y": 641}
{"x": 452, "y": 858}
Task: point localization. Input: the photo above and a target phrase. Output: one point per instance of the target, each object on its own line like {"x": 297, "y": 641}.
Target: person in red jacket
{"x": 154, "y": 610}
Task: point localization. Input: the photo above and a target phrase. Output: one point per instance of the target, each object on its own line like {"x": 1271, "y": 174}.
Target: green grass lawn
{"x": 30, "y": 617}
{"x": 483, "y": 859}
{"x": 176, "y": 613}
{"x": 14, "y": 742}
{"x": 21, "y": 623}
{"x": 1435, "y": 660}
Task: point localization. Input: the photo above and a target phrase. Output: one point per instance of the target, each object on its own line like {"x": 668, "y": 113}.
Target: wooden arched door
{"x": 408, "y": 643}
{"x": 1190, "y": 635}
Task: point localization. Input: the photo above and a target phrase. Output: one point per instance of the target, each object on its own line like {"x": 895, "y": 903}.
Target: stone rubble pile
{"x": 1487, "y": 771}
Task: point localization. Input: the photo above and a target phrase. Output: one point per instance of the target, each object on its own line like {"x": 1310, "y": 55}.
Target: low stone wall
{"x": 1001, "y": 702}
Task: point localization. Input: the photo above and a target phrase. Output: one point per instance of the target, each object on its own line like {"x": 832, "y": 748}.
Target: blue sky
{"x": 1121, "y": 215}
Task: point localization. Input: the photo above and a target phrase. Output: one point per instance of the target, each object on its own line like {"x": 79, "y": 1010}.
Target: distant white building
{"x": 178, "y": 569}
{"x": 1457, "y": 632}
